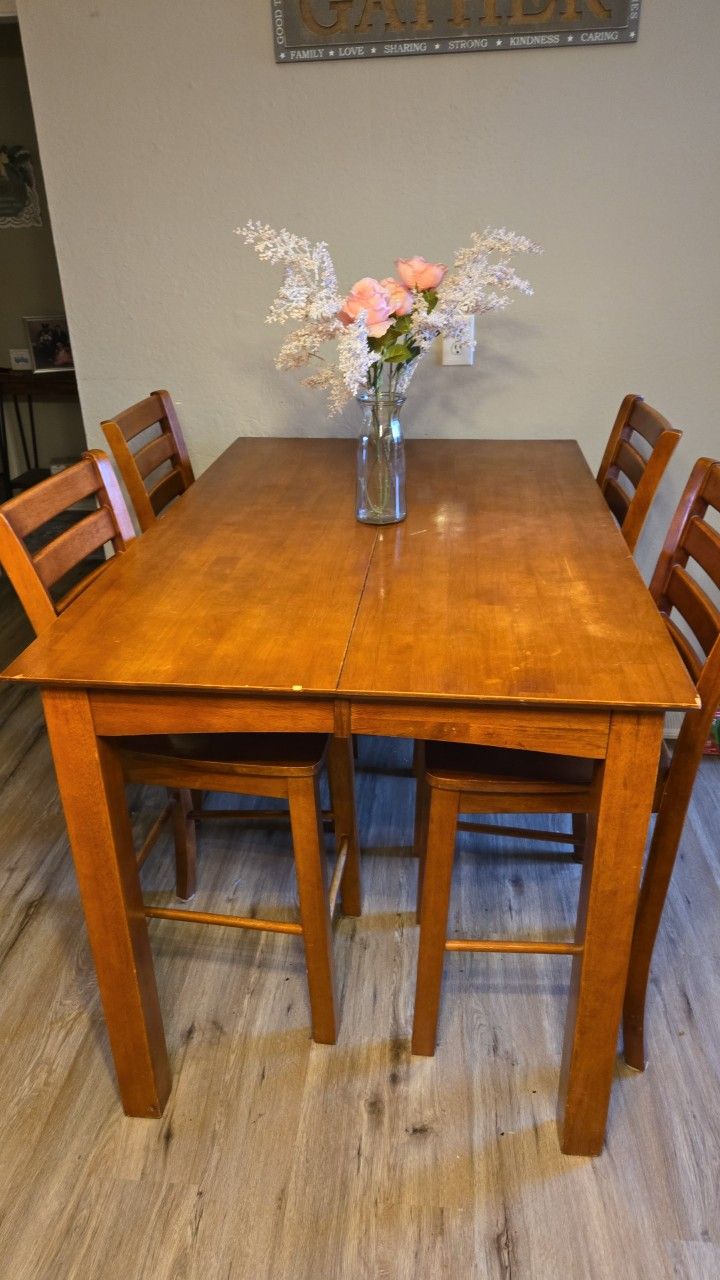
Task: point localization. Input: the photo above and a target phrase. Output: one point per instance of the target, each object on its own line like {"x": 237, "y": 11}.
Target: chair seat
{"x": 231, "y": 754}
{"x": 502, "y": 770}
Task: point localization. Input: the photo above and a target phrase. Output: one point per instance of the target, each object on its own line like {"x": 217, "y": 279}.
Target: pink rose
{"x": 401, "y": 299}
{"x": 417, "y": 273}
{"x": 369, "y": 296}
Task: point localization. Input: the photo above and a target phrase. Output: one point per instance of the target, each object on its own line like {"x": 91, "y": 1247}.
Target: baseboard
{"x": 673, "y": 724}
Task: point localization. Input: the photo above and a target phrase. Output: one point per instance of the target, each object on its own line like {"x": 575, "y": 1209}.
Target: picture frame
{"x": 19, "y": 203}
{"x": 49, "y": 343}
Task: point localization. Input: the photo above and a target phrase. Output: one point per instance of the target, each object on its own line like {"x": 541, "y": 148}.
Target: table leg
{"x": 342, "y": 790}
{"x": 21, "y": 432}
{"x": 606, "y": 914}
{"x": 442, "y": 819}
{"x": 33, "y": 432}
{"x": 5, "y": 486}
{"x": 93, "y": 795}
{"x": 308, "y": 847}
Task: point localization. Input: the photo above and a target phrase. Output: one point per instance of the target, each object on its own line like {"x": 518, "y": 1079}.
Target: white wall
{"x": 165, "y": 123}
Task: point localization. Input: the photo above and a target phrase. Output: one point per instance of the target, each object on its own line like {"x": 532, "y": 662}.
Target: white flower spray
{"x": 479, "y": 282}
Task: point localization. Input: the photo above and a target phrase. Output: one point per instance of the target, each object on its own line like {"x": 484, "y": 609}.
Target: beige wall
{"x": 29, "y": 281}
{"x": 165, "y": 123}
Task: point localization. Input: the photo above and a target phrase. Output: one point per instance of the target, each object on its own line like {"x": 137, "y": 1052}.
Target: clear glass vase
{"x": 380, "y": 460}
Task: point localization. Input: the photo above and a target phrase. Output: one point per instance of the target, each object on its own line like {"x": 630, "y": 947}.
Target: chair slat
{"x": 152, "y": 455}
{"x": 692, "y": 660}
{"x": 648, "y": 422}
{"x": 711, "y": 488}
{"x": 72, "y": 546}
{"x": 695, "y": 606}
{"x": 702, "y": 542}
{"x": 133, "y": 421}
{"x": 617, "y": 499}
{"x": 631, "y": 462}
{"x": 171, "y": 486}
{"x": 34, "y": 507}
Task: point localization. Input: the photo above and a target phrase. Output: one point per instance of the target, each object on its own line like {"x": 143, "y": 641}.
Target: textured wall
{"x": 164, "y": 123}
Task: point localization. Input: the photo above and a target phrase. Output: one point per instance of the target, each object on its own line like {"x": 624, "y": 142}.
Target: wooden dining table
{"x": 505, "y": 610}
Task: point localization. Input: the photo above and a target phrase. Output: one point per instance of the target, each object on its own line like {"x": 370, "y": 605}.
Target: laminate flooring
{"x": 278, "y": 1159}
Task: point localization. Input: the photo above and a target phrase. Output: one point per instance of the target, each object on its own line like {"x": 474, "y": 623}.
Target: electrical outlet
{"x": 460, "y": 350}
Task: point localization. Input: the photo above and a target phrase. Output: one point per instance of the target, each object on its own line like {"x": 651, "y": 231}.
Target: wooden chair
{"x": 166, "y": 453}
{"x": 263, "y": 764}
{"x": 640, "y": 446}
{"x": 691, "y": 541}
{"x": 481, "y": 780}
{"x": 62, "y": 564}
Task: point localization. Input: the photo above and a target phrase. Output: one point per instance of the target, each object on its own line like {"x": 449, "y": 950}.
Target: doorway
{"x": 41, "y": 427}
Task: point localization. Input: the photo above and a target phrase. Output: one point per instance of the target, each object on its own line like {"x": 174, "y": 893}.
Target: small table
{"x": 505, "y": 610}
{"x": 14, "y": 385}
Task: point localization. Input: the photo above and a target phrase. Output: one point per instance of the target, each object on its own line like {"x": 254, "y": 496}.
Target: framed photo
{"x": 19, "y": 205}
{"x": 49, "y": 343}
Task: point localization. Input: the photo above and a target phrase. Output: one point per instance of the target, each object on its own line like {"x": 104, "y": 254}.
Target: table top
{"x": 50, "y": 384}
{"x": 508, "y": 583}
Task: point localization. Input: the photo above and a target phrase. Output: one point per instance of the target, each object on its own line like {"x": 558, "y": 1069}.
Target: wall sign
{"x": 324, "y": 30}
{"x": 19, "y": 205}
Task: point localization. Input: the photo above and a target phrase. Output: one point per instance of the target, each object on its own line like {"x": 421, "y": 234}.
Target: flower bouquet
{"x": 382, "y": 329}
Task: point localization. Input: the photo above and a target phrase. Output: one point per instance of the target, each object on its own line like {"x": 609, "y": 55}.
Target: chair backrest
{"x": 165, "y": 450}
{"x": 640, "y": 446}
{"x": 35, "y": 572}
{"x": 688, "y": 566}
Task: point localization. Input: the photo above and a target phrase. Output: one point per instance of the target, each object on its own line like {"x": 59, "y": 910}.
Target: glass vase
{"x": 380, "y": 460}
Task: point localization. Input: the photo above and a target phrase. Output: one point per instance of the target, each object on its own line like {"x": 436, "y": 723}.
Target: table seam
{"x": 351, "y": 628}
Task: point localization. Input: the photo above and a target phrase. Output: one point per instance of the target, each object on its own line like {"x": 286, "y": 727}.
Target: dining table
{"x": 505, "y": 610}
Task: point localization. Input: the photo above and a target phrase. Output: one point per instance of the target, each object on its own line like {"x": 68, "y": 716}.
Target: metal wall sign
{"x": 324, "y": 30}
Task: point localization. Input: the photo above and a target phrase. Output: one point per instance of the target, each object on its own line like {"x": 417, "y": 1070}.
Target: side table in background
{"x": 17, "y": 386}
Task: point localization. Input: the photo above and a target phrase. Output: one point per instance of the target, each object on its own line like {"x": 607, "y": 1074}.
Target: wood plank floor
{"x": 281, "y": 1160}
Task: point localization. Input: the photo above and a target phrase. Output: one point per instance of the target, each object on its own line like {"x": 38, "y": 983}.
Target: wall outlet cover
{"x": 456, "y": 351}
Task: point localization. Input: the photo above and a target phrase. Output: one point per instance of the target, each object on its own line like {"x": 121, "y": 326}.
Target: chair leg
{"x": 197, "y": 799}
{"x": 580, "y": 831}
{"x": 185, "y": 845}
{"x": 422, "y": 807}
{"x": 442, "y": 825}
{"x": 653, "y": 892}
{"x": 342, "y": 793}
{"x": 307, "y": 835}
